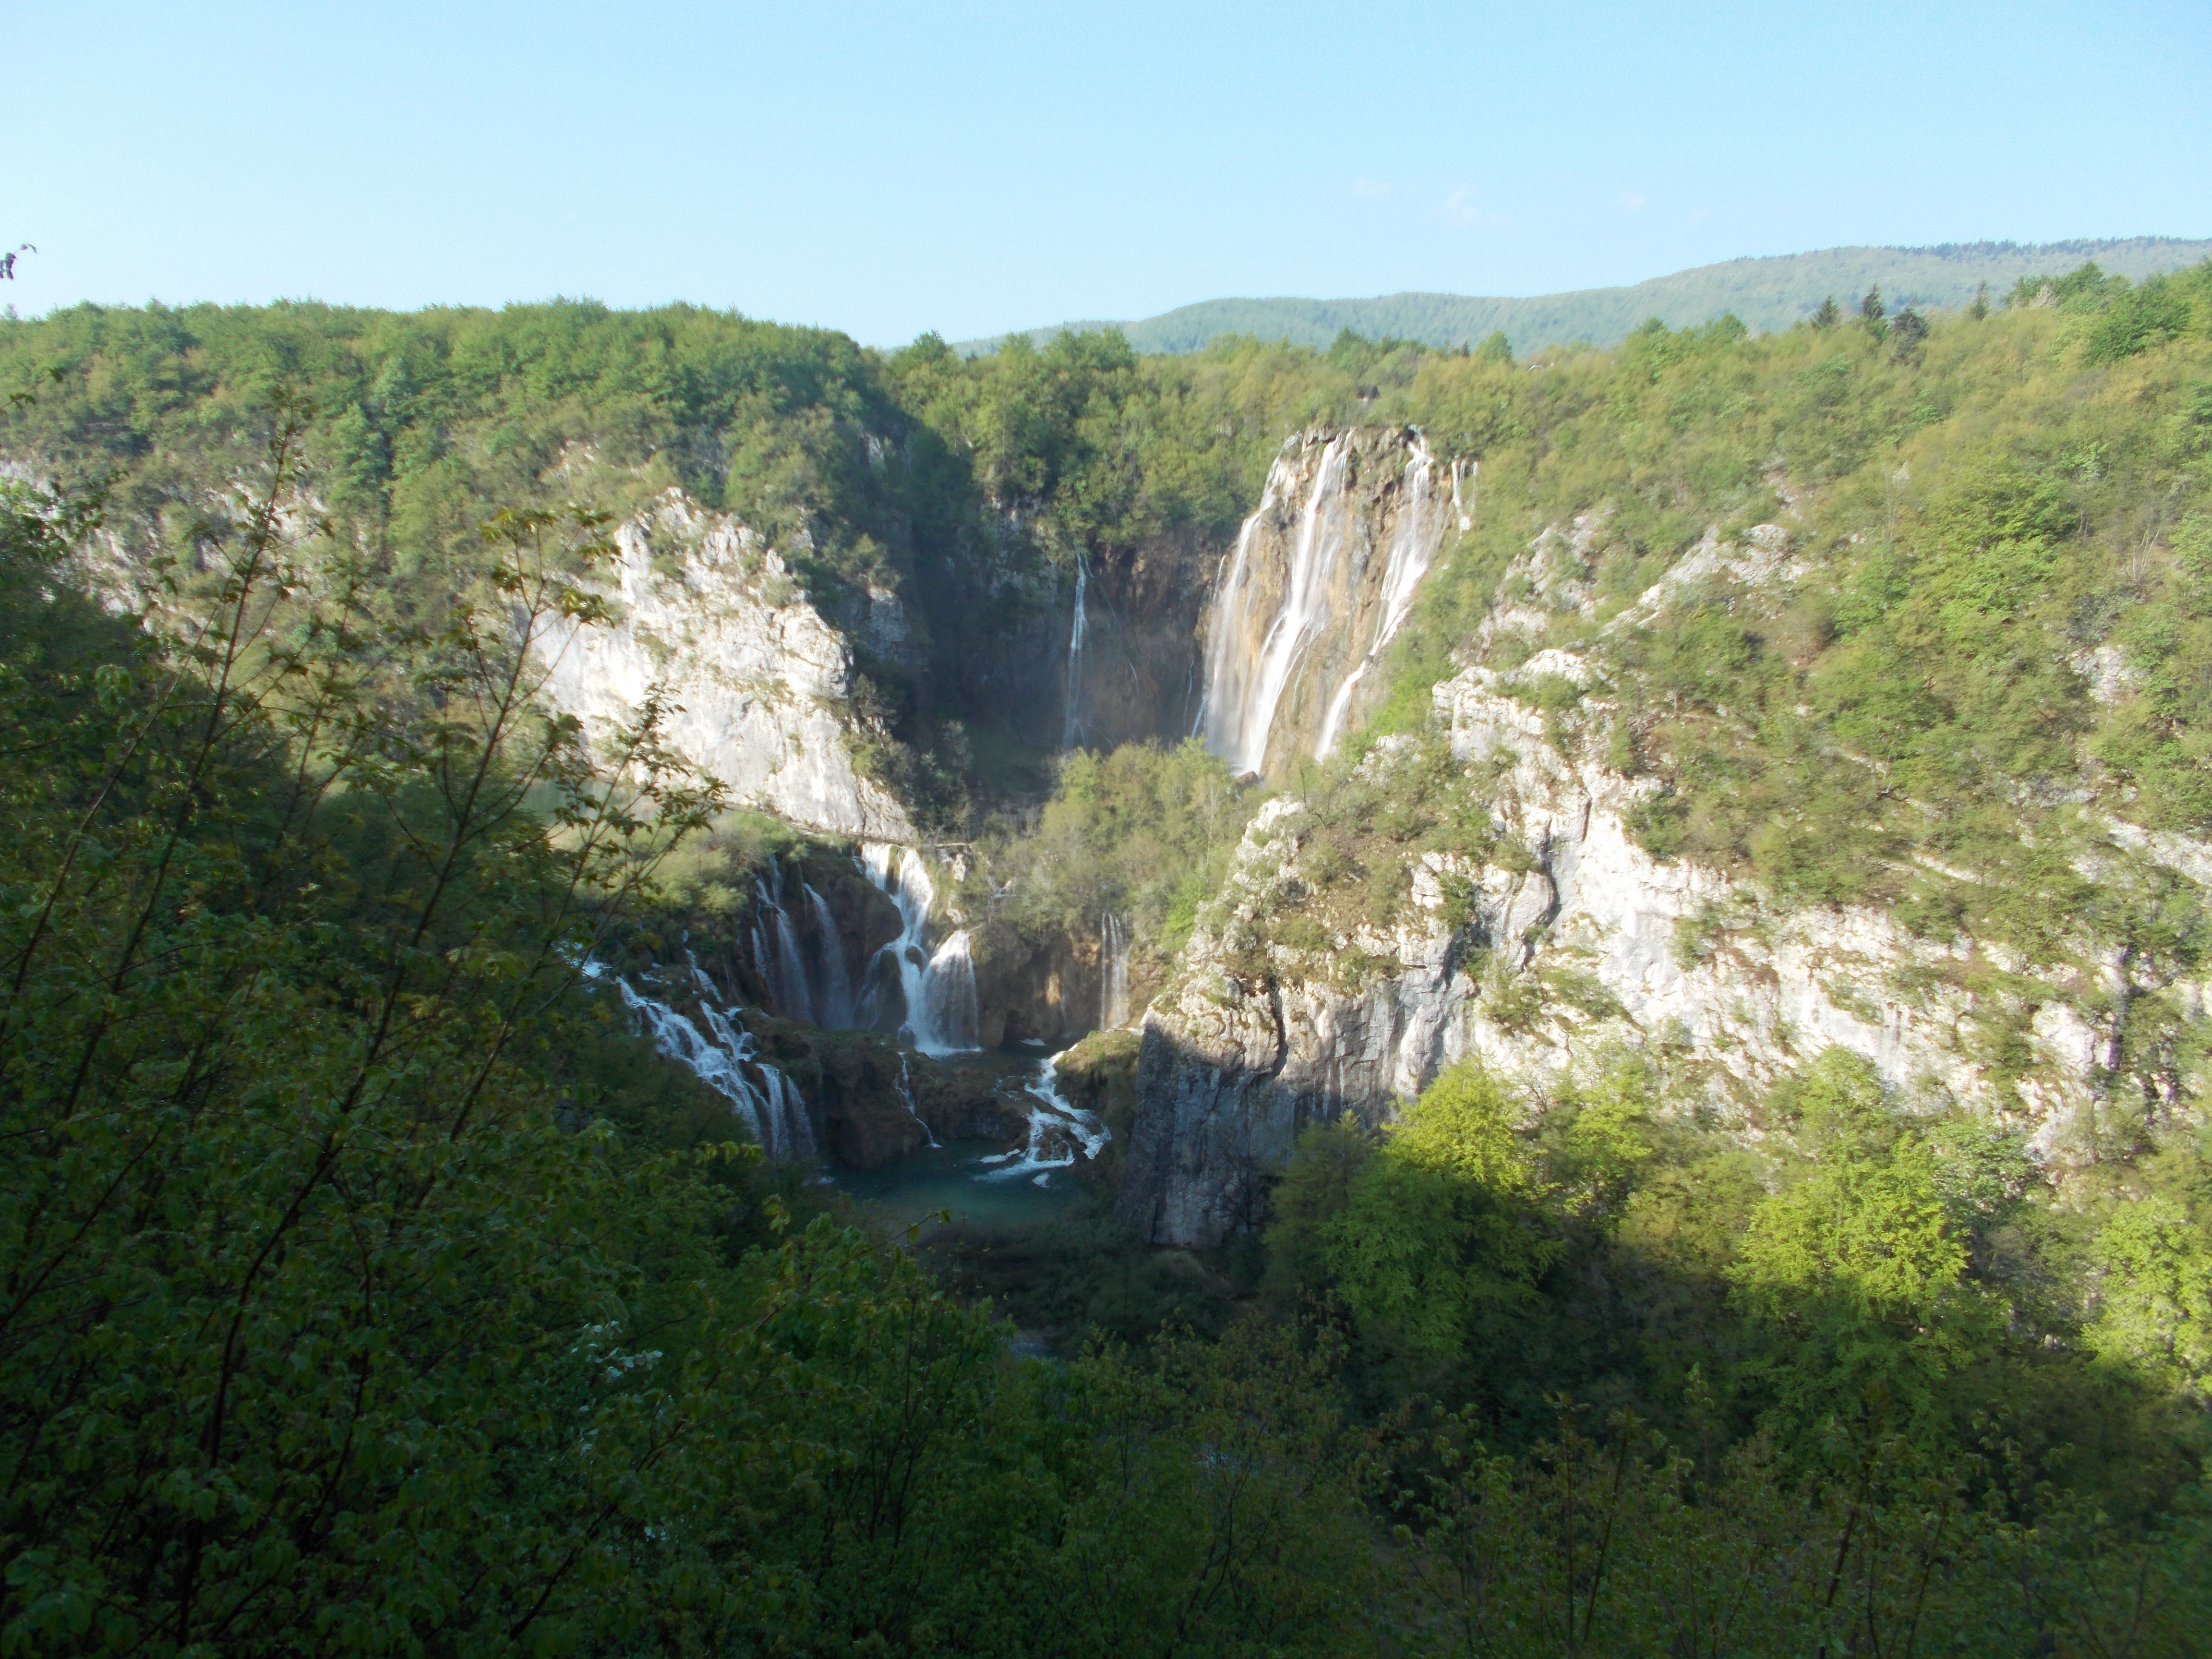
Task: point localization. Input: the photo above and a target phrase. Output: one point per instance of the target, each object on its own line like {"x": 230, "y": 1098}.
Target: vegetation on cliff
{"x": 368, "y": 1287}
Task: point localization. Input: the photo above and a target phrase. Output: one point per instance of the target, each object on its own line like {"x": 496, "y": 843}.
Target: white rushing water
{"x": 1071, "y": 726}
{"x": 1113, "y": 972}
{"x": 833, "y": 998}
{"x": 1252, "y": 659}
{"x": 725, "y": 1058}
{"x": 1413, "y": 542}
{"x": 938, "y": 986}
{"x": 1060, "y": 1132}
{"x": 775, "y": 949}
{"x": 1241, "y": 691}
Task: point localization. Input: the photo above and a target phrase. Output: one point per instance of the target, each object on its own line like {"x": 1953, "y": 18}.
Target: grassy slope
{"x": 1767, "y": 294}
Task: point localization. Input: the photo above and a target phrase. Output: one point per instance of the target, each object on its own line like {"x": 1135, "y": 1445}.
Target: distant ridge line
{"x": 1767, "y": 292}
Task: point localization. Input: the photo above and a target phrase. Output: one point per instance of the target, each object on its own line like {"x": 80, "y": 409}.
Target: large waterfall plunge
{"x": 1321, "y": 578}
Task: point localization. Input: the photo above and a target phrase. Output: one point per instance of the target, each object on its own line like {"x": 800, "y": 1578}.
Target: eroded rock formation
{"x": 756, "y": 680}
{"x": 1571, "y": 938}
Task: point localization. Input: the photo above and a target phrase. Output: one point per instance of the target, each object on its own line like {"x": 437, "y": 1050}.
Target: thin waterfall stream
{"x": 1071, "y": 728}
{"x": 1113, "y": 972}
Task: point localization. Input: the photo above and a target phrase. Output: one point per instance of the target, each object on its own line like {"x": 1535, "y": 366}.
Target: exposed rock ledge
{"x": 756, "y": 678}
{"x": 1232, "y": 1067}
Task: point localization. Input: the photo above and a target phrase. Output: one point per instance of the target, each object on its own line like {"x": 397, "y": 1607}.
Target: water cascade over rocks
{"x": 1113, "y": 972}
{"x": 833, "y": 988}
{"x": 725, "y": 1059}
{"x": 776, "y": 952}
{"x": 1322, "y": 576}
{"x": 1060, "y": 1132}
{"x": 939, "y": 987}
{"x": 913, "y": 1110}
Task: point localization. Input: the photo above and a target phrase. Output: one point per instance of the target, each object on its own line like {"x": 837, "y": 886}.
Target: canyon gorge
{"x": 1553, "y": 938}
{"x": 892, "y": 625}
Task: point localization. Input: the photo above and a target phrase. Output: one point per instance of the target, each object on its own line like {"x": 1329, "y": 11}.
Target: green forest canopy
{"x": 371, "y": 1287}
{"x": 1767, "y": 294}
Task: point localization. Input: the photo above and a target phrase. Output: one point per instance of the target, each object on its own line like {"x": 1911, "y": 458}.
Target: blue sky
{"x": 887, "y": 169}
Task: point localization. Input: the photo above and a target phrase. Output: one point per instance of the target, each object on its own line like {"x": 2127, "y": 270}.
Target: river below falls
{"x": 976, "y": 1179}
{"x": 956, "y": 1177}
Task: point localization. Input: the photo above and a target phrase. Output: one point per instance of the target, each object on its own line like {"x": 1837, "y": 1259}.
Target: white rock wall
{"x": 756, "y": 676}
{"x": 1232, "y": 1067}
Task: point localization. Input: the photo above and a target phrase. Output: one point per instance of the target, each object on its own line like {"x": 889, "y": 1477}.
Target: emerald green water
{"x": 956, "y": 1177}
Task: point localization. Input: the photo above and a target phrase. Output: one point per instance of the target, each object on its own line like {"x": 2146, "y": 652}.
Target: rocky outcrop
{"x": 1566, "y": 938}
{"x": 877, "y": 1103}
{"x": 756, "y": 680}
{"x": 1236, "y": 1057}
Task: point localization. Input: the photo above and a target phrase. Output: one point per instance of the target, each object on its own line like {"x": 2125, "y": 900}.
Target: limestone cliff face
{"x": 1135, "y": 672}
{"x": 1320, "y": 578}
{"x": 756, "y": 678}
{"x": 1235, "y": 1062}
{"x": 1571, "y": 938}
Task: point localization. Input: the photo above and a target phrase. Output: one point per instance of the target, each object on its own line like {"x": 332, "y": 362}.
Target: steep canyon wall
{"x": 1568, "y": 939}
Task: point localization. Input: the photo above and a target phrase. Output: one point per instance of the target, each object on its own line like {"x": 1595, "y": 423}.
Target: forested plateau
{"x": 672, "y": 985}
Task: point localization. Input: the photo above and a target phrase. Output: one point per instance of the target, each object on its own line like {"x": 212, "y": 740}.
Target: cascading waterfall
{"x": 1240, "y": 694}
{"x": 1071, "y": 726}
{"x": 1307, "y": 591}
{"x": 939, "y": 988}
{"x": 1113, "y": 972}
{"x": 776, "y": 948}
{"x": 720, "y": 1056}
{"x": 913, "y": 1110}
{"x": 1413, "y": 544}
{"x": 1060, "y": 1132}
{"x": 833, "y": 999}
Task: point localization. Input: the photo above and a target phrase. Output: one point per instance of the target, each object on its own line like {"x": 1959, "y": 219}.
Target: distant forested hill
{"x": 1767, "y": 294}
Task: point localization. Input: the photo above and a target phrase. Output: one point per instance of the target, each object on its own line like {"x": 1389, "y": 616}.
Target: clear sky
{"x": 887, "y": 169}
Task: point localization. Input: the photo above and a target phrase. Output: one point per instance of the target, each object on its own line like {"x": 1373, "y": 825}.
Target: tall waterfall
{"x": 776, "y": 948}
{"x": 1322, "y": 575}
{"x": 1243, "y": 684}
{"x": 1070, "y": 726}
{"x": 1414, "y": 543}
{"x": 939, "y": 987}
{"x": 725, "y": 1058}
{"x": 1113, "y": 972}
{"x": 833, "y": 998}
